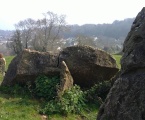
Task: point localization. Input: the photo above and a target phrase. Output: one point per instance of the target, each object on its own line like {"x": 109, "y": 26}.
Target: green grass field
{"x": 19, "y": 107}
{"x": 117, "y": 57}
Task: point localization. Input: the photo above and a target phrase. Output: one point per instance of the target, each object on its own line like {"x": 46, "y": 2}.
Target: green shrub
{"x": 72, "y": 101}
{"x": 46, "y": 87}
{"x": 98, "y": 92}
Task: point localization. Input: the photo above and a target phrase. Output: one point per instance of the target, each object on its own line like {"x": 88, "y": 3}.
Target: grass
{"x": 8, "y": 60}
{"x": 17, "y": 108}
{"x": 118, "y": 57}
{"x": 89, "y": 115}
{"x": 22, "y": 107}
{"x": 13, "y": 107}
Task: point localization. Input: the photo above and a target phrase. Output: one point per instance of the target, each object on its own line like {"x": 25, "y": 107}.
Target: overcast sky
{"x": 76, "y": 11}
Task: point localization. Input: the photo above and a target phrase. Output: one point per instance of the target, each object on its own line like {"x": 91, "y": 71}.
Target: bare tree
{"x": 22, "y": 36}
{"x": 40, "y": 35}
{"x": 25, "y": 27}
{"x": 16, "y": 43}
{"x": 49, "y": 29}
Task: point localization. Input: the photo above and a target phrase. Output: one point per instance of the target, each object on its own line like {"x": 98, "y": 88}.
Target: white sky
{"x": 76, "y": 11}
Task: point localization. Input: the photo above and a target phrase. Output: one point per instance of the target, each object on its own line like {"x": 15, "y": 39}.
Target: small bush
{"x": 98, "y": 92}
{"x": 72, "y": 101}
{"x": 46, "y": 87}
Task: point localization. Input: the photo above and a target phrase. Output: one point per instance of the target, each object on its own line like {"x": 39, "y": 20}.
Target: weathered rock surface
{"x": 66, "y": 80}
{"x": 134, "y": 45}
{"x": 88, "y": 65}
{"x": 30, "y": 64}
{"x": 126, "y": 99}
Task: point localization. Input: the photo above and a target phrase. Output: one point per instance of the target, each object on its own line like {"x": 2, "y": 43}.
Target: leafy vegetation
{"x": 98, "y": 92}
{"x": 46, "y": 87}
{"x": 72, "y": 101}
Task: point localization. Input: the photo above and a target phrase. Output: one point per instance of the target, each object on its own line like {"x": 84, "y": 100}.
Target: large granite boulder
{"x": 126, "y": 99}
{"x": 30, "y": 64}
{"x": 88, "y": 65}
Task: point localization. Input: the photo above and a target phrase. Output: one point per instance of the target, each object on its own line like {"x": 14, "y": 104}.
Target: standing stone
{"x": 126, "y": 99}
{"x": 66, "y": 80}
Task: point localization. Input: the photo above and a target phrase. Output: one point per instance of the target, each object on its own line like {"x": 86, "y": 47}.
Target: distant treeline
{"x": 117, "y": 30}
